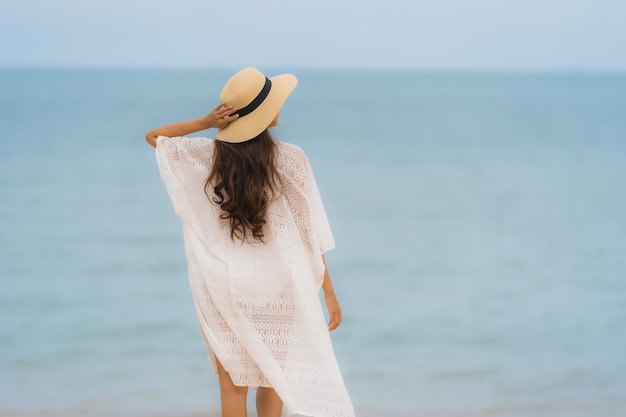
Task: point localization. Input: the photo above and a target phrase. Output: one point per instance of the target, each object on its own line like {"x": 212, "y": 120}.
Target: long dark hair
{"x": 243, "y": 181}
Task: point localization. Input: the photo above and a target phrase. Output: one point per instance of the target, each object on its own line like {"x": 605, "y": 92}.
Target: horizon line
{"x": 339, "y": 69}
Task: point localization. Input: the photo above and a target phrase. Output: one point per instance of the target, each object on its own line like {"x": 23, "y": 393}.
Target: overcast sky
{"x": 407, "y": 34}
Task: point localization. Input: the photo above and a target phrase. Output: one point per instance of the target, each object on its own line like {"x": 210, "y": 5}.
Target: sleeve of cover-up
{"x": 319, "y": 219}
{"x": 169, "y": 161}
{"x": 184, "y": 164}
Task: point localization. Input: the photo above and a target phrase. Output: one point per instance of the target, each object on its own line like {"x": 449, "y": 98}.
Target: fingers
{"x": 224, "y": 110}
{"x": 334, "y": 310}
{"x": 224, "y": 114}
{"x": 335, "y": 320}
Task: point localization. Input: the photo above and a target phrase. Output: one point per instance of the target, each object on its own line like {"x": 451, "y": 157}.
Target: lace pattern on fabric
{"x": 257, "y": 303}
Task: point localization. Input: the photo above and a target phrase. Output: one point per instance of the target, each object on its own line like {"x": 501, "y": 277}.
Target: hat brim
{"x": 251, "y": 125}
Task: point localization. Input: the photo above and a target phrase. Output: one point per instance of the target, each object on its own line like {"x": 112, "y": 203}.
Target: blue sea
{"x": 480, "y": 221}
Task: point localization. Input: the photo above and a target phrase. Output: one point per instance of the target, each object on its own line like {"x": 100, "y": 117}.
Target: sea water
{"x": 480, "y": 221}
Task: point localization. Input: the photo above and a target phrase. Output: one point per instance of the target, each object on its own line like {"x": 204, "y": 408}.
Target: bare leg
{"x": 233, "y": 397}
{"x": 268, "y": 403}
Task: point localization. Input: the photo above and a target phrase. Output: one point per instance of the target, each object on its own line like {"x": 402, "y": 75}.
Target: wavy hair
{"x": 243, "y": 181}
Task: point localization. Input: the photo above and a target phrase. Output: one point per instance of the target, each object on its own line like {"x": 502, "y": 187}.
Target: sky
{"x": 571, "y": 35}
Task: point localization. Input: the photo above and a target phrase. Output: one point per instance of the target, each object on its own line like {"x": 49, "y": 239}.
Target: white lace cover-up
{"x": 257, "y": 303}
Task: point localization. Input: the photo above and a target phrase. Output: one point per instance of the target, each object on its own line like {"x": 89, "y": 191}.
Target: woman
{"x": 255, "y": 233}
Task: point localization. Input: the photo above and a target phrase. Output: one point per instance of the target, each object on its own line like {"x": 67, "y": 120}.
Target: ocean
{"x": 480, "y": 222}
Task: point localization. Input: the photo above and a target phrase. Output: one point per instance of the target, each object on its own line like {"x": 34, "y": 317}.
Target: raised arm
{"x": 219, "y": 117}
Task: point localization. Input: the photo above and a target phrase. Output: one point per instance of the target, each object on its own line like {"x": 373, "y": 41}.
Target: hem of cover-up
{"x": 237, "y": 383}
{"x": 320, "y": 280}
{"x": 214, "y": 358}
{"x": 289, "y": 413}
{"x": 326, "y": 248}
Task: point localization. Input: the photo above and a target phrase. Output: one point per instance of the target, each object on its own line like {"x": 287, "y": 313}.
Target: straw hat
{"x": 258, "y": 100}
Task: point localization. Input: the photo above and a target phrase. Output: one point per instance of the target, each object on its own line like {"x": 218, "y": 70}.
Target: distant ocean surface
{"x": 480, "y": 221}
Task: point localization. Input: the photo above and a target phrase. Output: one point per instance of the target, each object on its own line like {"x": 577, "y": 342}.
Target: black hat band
{"x": 257, "y": 100}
